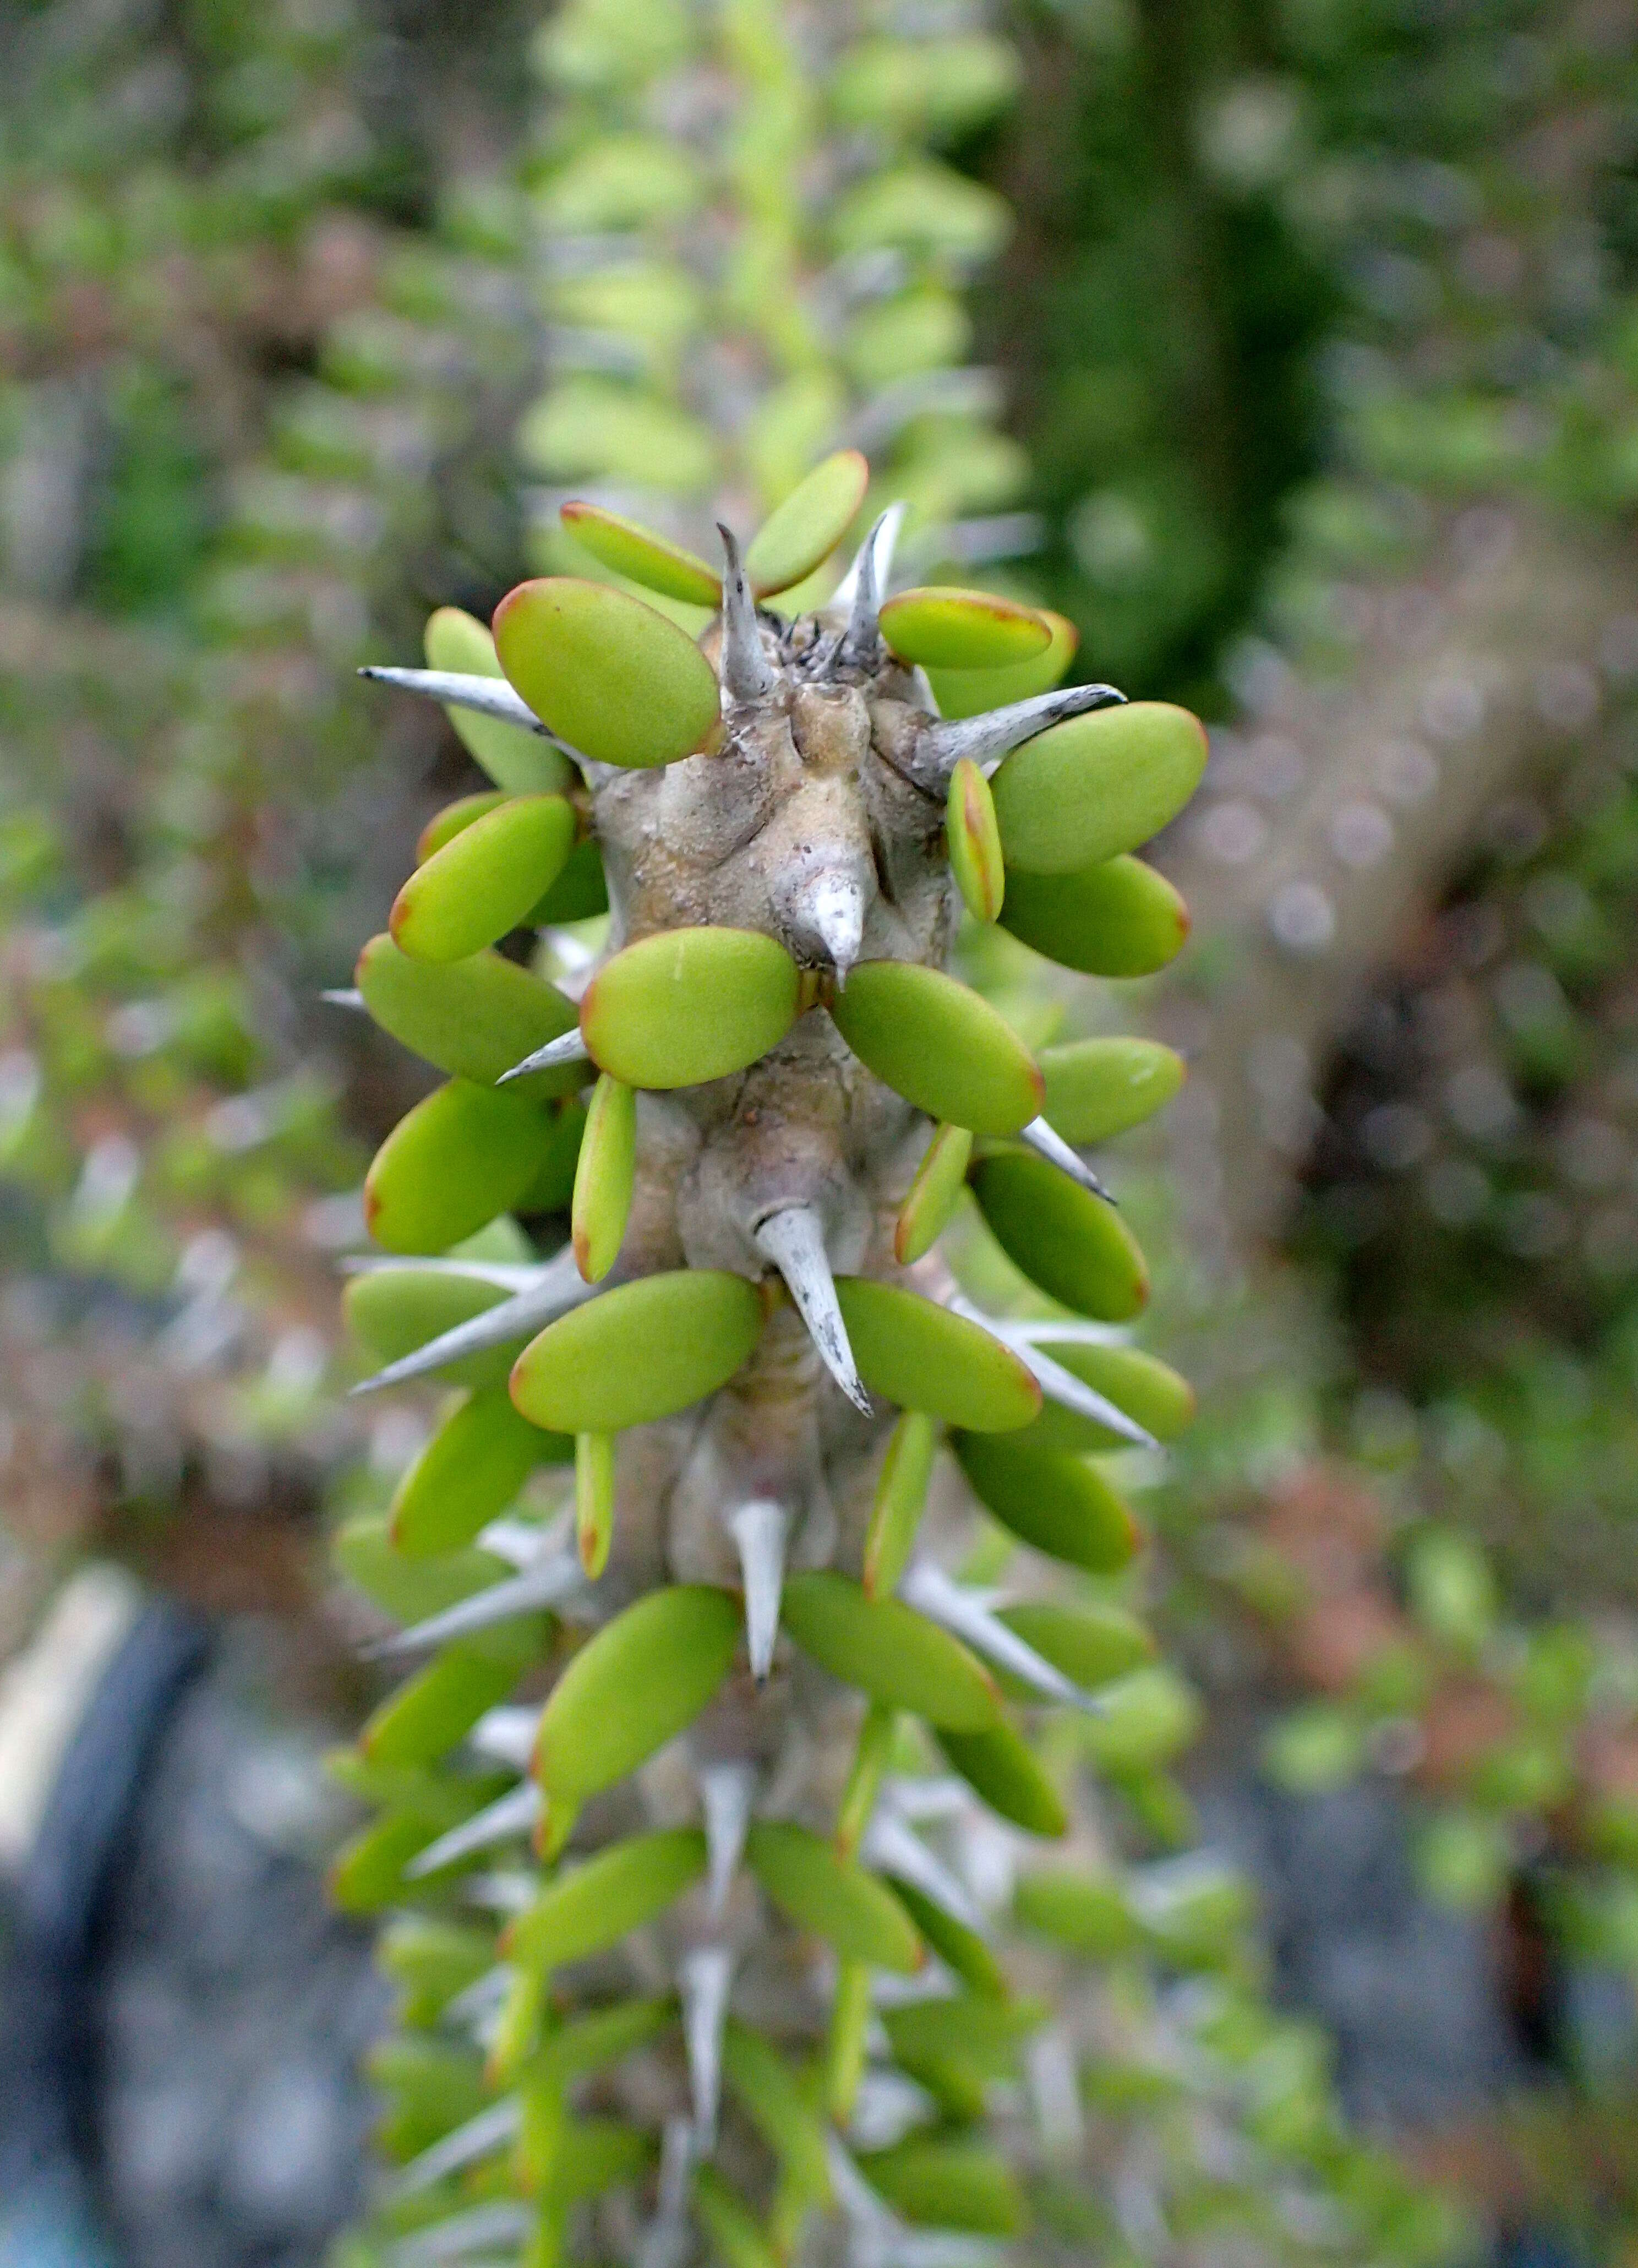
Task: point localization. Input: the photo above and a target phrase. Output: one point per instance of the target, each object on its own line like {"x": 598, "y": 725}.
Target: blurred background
{"x": 1289, "y": 347}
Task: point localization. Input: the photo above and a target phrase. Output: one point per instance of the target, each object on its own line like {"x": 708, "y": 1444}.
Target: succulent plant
{"x": 749, "y": 1351}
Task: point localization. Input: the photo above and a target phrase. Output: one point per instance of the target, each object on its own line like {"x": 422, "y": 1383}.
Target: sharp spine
{"x": 518, "y": 1317}
{"x": 507, "y": 1735}
{"x": 512, "y": 1813}
{"x": 861, "y": 646}
{"x": 704, "y": 1976}
{"x": 759, "y": 1529}
{"x": 748, "y": 674}
{"x": 500, "y": 1602}
{"x": 986, "y": 738}
{"x": 727, "y": 1793}
{"x": 487, "y": 696}
{"x": 344, "y": 997}
{"x": 664, "y": 2242}
{"x": 1061, "y": 1385}
{"x": 890, "y": 1845}
{"x": 932, "y": 1593}
{"x": 835, "y": 912}
{"x": 568, "y": 1047}
{"x": 794, "y": 1240}
{"x": 1044, "y": 1139}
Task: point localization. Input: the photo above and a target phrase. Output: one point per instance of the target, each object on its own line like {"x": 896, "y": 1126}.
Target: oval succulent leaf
{"x": 688, "y": 1006}
{"x": 799, "y": 534}
{"x": 833, "y": 1897}
{"x": 963, "y": 629}
{"x": 521, "y": 762}
{"x": 931, "y": 1198}
{"x": 1097, "y": 786}
{"x": 940, "y": 1045}
{"x": 458, "y": 1158}
{"x": 641, "y": 556}
{"x": 591, "y": 1907}
{"x": 947, "y": 2183}
{"x": 889, "y": 1650}
{"x": 472, "y": 1018}
{"x": 594, "y": 1500}
{"x": 962, "y": 1950}
{"x": 1059, "y": 1503}
{"x": 974, "y": 842}
{"x": 604, "y": 1177}
{"x": 425, "y": 1717}
{"x": 1098, "y": 1088}
{"x": 969, "y": 692}
{"x": 1076, "y": 1248}
{"x": 900, "y": 1497}
{"x": 1002, "y": 1768}
{"x": 467, "y": 1474}
{"x": 641, "y": 1351}
{"x": 641, "y": 1680}
{"x": 580, "y": 891}
{"x": 1118, "y": 918}
{"x": 607, "y": 674}
{"x": 485, "y": 879}
{"x": 445, "y": 825}
{"x": 923, "y": 1358}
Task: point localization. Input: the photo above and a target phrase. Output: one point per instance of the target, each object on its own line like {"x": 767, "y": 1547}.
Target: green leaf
{"x": 689, "y": 1005}
{"x": 641, "y": 1351}
{"x": 940, "y": 1045}
{"x": 974, "y": 842}
{"x": 1059, "y": 1503}
{"x": 456, "y": 1161}
{"x": 473, "y": 1019}
{"x": 394, "y": 1312}
{"x": 605, "y": 1178}
{"x": 969, "y": 692}
{"x": 643, "y": 1679}
{"x": 519, "y": 760}
{"x": 643, "y": 557}
{"x": 833, "y": 1897}
{"x": 963, "y": 629}
{"x": 609, "y": 675}
{"x": 1001, "y": 1767}
{"x": 801, "y": 533}
{"x": 921, "y": 1356}
{"x": 1091, "y": 1643}
{"x": 1162, "y": 1401}
{"x": 468, "y": 1474}
{"x": 1099, "y": 784}
{"x": 948, "y": 2184}
{"x": 889, "y": 1650}
{"x": 931, "y": 1197}
{"x": 1116, "y": 918}
{"x": 1074, "y": 1246}
{"x": 485, "y": 879}
{"x": 900, "y": 1497}
{"x": 590, "y": 1907}
{"x": 1098, "y": 1088}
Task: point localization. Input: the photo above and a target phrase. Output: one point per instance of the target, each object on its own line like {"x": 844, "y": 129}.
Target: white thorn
{"x": 664, "y": 2242}
{"x": 705, "y": 1976}
{"x": 794, "y": 1241}
{"x": 501, "y": 1602}
{"x": 882, "y": 542}
{"x": 1044, "y": 1139}
{"x": 484, "y": 2229}
{"x": 889, "y": 1844}
{"x": 1065, "y": 1330}
{"x": 516, "y": 1318}
{"x": 726, "y": 1794}
{"x": 835, "y": 907}
{"x": 510, "y": 1815}
{"x": 486, "y": 697}
{"x": 931, "y": 1592}
{"x": 348, "y": 997}
{"x": 985, "y": 739}
{"x": 568, "y": 1047}
{"x": 862, "y": 641}
{"x": 1061, "y": 1385}
{"x": 506, "y": 1275}
{"x": 506, "y": 1734}
{"x": 758, "y": 1529}
{"x": 748, "y": 674}
{"x": 479, "y": 2137}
